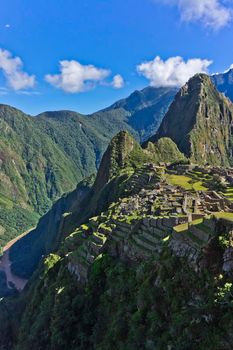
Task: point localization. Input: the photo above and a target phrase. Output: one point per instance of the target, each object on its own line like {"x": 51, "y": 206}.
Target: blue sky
{"x": 85, "y": 54}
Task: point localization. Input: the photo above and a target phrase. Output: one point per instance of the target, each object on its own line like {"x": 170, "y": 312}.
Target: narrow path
{"x": 5, "y": 265}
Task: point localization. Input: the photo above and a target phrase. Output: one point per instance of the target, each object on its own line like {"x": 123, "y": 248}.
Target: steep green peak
{"x": 199, "y": 121}
{"x": 165, "y": 151}
{"x": 122, "y": 151}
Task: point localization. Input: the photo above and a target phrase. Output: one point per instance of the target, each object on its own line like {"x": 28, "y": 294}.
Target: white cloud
{"x": 172, "y": 72}
{"x": 212, "y": 13}
{"x": 7, "y": 25}
{"x": 75, "y": 77}
{"x": 118, "y": 81}
{"x": 11, "y": 67}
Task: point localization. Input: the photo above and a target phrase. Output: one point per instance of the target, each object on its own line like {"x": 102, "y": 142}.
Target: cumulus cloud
{"x": 212, "y": 13}
{"x": 11, "y": 67}
{"x": 172, "y": 72}
{"x": 75, "y": 77}
{"x": 118, "y": 81}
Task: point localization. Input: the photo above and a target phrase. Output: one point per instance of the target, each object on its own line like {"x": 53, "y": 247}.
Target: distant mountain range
{"x": 224, "y": 83}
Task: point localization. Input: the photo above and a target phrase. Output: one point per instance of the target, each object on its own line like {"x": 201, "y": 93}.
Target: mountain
{"x": 141, "y": 256}
{"x": 144, "y": 260}
{"x": 145, "y": 109}
{"x": 224, "y": 83}
{"x": 45, "y": 156}
{"x": 86, "y": 200}
{"x": 199, "y": 121}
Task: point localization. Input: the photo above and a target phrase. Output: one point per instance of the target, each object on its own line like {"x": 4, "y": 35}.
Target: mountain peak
{"x": 199, "y": 122}
{"x": 115, "y": 157}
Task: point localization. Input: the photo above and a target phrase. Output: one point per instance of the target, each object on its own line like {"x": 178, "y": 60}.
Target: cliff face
{"x": 199, "y": 121}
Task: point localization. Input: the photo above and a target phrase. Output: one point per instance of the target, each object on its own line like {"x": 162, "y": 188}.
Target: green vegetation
{"x": 184, "y": 227}
{"x": 165, "y": 151}
{"x": 186, "y": 182}
{"x": 223, "y": 215}
{"x": 122, "y": 308}
{"x": 14, "y": 221}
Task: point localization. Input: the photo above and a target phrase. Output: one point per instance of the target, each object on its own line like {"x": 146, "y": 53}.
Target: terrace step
{"x": 188, "y": 238}
{"x": 118, "y": 233}
{"x": 144, "y": 243}
{"x": 150, "y": 232}
{"x": 95, "y": 249}
{"x": 140, "y": 249}
{"x": 151, "y": 237}
{"x": 203, "y": 235}
{"x": 98, "y": 239}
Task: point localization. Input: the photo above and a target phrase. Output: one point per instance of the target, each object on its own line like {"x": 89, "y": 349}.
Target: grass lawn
{"x": 185, "y": 182}
{"x": 198, "y": 186}
{"x": 223, "y": 215}
{"x": 184, "y": 227}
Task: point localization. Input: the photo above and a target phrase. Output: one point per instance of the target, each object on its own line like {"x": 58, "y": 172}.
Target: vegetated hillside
{"x": 151, "y": 265}
{"x": 45, "y": 156}
{"x": 199, "y": 121}
{"x": 82, "y": 203}
{"x": 224, "y": 82}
